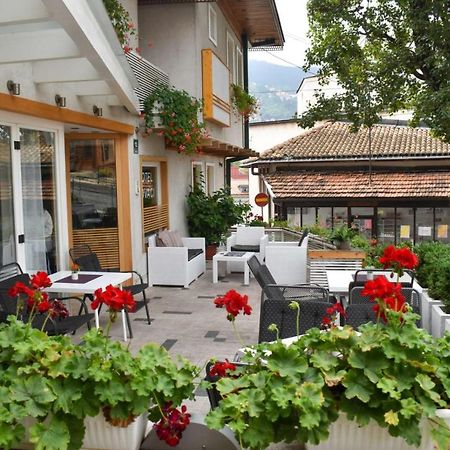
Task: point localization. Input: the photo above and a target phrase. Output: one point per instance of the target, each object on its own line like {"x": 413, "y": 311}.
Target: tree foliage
{"x": 387, "y": 55}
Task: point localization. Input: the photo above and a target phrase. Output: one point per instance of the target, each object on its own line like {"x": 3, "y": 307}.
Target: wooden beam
{"x": 37, "y": 109}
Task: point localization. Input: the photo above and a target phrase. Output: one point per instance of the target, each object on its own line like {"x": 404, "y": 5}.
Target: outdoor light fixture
{"x": 97, "y": 111}
{"x": 13, "y": 88}
{"x": 60, "y": 101}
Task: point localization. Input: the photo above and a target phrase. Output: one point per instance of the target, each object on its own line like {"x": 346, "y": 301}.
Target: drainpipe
{"x": 245, "y": 74}
{"x": 228, "y": 162}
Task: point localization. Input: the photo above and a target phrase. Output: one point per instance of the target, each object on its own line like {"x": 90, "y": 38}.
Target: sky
{"x": 294, "y": 24}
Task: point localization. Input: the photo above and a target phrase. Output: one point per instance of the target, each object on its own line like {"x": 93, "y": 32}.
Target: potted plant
{"x": 75, "y": 268}
{"x": 58, "y": 395}
{"x": 341, "y": 236}
{"x": 173, "y": 114}
{"x": 383, "y": 386}
{"x": 245, "y": 104}
{"x": 211, "y": 216}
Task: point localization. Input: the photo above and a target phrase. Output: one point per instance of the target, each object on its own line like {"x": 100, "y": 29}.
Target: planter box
{"x": 438, "y": 320}
{"x": 426, "y": 303}
{"x": 347, "y": 435}
{"x": 100, "y": 435}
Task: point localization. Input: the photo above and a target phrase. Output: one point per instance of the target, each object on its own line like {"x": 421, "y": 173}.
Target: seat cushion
{"x": 245, "y": 248}
{"x": 193, "y": 252}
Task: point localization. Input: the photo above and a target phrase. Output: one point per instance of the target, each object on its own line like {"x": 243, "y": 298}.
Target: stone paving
{"x": 186, "y": 322}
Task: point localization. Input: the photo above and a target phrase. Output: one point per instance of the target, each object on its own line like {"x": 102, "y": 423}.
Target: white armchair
{"x": 247, "y": 239}
{"x": 176, "y": 266}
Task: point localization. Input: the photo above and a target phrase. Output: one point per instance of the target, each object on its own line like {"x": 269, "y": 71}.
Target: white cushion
{"x": 249, "y": 235}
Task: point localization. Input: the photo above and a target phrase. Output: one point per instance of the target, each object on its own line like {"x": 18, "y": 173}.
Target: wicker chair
{"x": 10, "y": 274}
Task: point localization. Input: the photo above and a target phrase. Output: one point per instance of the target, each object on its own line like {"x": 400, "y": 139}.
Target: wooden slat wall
{"x": 103, "y": 241}
{"x": 156, "y": 217}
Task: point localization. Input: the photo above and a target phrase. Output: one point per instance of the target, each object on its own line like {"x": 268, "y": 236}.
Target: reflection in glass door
{"x": 37, "y": 150}
{"x": 7, "y": 241}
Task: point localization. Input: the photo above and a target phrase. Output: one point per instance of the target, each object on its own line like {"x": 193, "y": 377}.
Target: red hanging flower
{"x": 172, "y": 425}
{"x": 221, "y": 368}
{"x": 234, "y": 304}
{"x": 398, "y": 259}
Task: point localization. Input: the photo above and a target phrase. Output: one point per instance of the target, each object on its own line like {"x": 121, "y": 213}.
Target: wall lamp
{"x": 97, "y": 111}
{"x": 60, "y": 101}
{"x": 13, "y": 88}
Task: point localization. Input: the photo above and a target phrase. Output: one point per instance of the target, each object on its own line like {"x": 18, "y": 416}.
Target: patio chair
{"x": 360, "y": 309}
{"x": 88, "y": 261}
{"x": 360, "y": 277}
{"x": 10, "y": 274}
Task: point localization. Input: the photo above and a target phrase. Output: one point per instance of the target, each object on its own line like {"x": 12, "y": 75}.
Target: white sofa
{"x": 287, "y": 261}
{"x": 171, "y": 266}
{"x": 247, "y": 239}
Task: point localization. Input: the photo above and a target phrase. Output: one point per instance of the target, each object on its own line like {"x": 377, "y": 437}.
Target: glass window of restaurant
{"x": 424, "y": 225}
{"x": 324, "y": 217}
{"x": 294, "y": 217}
{"x": 308, "y": 216}
{"x": 339, "y": 216}
{"x": 442, "y": 220}
{"x": 386, "y": 225}
{"x": 404, "y": 225}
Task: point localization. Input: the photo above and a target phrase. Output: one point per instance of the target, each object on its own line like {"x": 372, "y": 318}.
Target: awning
{"x": 219, "y": 148}
{"x": 338, "y": 185}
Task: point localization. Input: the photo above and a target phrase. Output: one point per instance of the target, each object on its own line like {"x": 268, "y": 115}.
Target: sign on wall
{"x": 261, "y": 199}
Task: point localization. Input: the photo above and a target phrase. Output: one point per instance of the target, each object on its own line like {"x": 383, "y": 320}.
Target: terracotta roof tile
{"x": 336, "y": 141}
{"x": 317, "y": 184}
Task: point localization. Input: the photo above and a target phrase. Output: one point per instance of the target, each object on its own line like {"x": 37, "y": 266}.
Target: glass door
{"x": 37, "y": 161}
{"x": 7, "y": 241}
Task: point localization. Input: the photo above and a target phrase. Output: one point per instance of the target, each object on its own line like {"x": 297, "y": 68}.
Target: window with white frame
{"x": 212, "y": 24}
{"x": 210, "y": 178}
{"x": 239, "y": 67}
{"x": 198, "y": 179}
{"x": 230, "y": 53}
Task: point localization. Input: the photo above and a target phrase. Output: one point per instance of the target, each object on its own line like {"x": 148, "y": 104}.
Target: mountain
{"x": 275, "y": 87}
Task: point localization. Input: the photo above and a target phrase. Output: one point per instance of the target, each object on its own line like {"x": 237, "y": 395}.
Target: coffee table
{"x": 227, "y": 257}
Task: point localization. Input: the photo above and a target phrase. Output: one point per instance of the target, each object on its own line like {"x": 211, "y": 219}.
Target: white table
{"x": 225, "y": 257}
{"x": 339, "y": 280}
{"x": 102, "y": 280}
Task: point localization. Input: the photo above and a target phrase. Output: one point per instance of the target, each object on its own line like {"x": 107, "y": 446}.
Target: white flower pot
{"x": 100, "y": 435}
{"x": 426, "y": 303}
{"x": 438, "y": 320}
{"x": 74, "y": 275}
{"x": 347, "y": 435}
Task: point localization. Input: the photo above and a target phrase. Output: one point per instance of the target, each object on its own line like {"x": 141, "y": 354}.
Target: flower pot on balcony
{"x": 346, "y": 434}
{"x": 438, "y": 320}
{"x": 101, "y": 435}
{"x": 211, "y": 250}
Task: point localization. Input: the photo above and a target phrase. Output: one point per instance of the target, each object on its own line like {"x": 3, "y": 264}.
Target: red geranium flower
{"x": 234, "y": 303}
{"x": 116, "y": 299}
{"x": 40, "y": 280}
{"x": 398, "y": 259}
{"x": 172, "y": 425}
{"x": 220, "y": 368}
{"x": 332, "y": 312}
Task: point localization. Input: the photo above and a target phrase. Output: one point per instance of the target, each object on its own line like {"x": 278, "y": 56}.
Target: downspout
{"x": 228, "y": 162}
{"x": 245, "y": 74}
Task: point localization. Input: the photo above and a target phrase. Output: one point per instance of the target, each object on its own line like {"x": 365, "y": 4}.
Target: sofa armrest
{"x": 194, "y": 242}
{"x": 169, "y": 251}
{"x": 231, "y": 240}
{"x": 262, "y": 246}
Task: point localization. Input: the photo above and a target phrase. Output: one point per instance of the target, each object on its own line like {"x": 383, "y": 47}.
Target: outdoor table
{"x": 227, "y": 257}
{"x": 87, "y": 283}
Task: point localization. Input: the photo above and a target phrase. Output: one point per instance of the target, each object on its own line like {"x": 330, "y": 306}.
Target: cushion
{"x": 249, "y": 235}
{"x": 245, "y": 248}
{"x": 193, "y": 252}
{"x": 169, "y": 239}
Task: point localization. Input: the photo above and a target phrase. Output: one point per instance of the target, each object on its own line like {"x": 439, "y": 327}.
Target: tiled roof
{"x": 335, "y": 141}
{"x": 319, "y": 184}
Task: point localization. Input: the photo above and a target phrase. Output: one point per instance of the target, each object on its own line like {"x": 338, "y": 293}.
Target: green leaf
{"x": 54, "y": 436}
{"x": 391, "y": 417}
{"x": 357, "y": 386}
{"x": 440, "y": 433}
{"x": 10, "y": 434}
{"x": 287, "y": 362}
{"x": 35, "y": 393}
{"x": 409, "y": 407}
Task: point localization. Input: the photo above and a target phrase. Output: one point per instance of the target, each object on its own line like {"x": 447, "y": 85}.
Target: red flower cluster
{"x": 116, "y": 299}
{"x": 220, "y": 368}
{"x": 398, "y": 259}
{"x": 388, "y": 295}
{"x": 332, "y": 311}
{"x": 38, "y": 300}
{"x": 172, "y": 425}
{"x": 234, "y": 304}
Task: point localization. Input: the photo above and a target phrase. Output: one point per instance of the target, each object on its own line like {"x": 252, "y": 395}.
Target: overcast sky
{"x": 294, "y": 23}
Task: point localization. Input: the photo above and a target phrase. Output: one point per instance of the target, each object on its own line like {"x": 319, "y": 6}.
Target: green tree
{"x": 387, "y": 55}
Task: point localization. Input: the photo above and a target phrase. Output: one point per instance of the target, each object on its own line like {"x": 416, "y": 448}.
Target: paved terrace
{"x": 186, "y": 322}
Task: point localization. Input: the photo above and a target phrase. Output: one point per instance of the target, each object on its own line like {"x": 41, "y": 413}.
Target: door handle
{"x": 21, "y": 238}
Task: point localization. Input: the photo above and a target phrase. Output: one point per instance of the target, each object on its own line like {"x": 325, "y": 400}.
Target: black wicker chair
{"x": 10, "y": 274}
{"x": 88, "y": 260}
{"x": 360, "y": 308}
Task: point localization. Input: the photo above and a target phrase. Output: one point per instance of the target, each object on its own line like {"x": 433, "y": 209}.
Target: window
{"x": 239, "y": 75}
{"x": 442, "y": 221}
{"x": 424, "y": 224}
{"x": 212, "y": 24}
{"x": 324, "y": 217}
{"x": 404, "y": 225}
{"x": 210, "y": 178}
{"x": 386, "y": 225}
{"x": 150, "y": 183}
{"x": 198, "y": 180}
